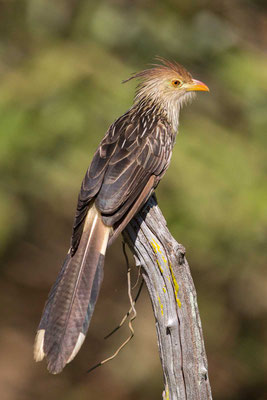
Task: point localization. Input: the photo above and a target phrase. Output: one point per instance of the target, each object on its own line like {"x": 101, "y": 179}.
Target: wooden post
{"x": 174, "y": 301}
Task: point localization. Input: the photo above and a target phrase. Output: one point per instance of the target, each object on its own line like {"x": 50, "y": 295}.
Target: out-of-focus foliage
{"x": 61, "y": 64}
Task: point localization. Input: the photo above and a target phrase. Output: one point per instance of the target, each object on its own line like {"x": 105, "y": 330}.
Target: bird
{"x": 126, "y": 168}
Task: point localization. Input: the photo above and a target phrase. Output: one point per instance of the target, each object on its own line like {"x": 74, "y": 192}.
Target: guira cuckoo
{"x": 127, "y": 166}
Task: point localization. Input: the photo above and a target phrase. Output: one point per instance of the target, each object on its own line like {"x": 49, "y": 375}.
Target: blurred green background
{"x": 61, "y": 65}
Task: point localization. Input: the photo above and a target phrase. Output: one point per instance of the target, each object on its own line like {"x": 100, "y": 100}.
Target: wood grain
{"x": 166, "y": 273}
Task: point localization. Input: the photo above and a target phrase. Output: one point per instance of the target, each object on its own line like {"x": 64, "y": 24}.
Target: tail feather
{"x": 72, "y": 299}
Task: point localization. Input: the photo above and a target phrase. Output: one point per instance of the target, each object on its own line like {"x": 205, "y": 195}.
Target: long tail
{"x": 72, "y": 299}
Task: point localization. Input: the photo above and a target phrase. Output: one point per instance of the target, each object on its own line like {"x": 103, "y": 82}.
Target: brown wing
{"x": 134, "y": 149}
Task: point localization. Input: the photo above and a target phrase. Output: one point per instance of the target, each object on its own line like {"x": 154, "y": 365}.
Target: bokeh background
{"x": 61, "y": 65}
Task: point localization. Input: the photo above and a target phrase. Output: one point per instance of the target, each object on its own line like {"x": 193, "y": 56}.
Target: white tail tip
{"x": 38, "y": 351}
{"x": 77, "y": 347}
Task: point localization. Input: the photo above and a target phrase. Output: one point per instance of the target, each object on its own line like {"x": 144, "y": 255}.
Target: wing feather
{"x": 133, "y": 150}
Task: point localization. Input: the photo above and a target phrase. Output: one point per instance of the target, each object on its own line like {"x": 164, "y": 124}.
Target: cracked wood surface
{"x": 167, "y": 276}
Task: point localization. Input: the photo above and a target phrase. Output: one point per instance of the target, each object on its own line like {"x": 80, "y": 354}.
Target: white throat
{"x": 173, "y": 106}
{"x": 173, "y": 112}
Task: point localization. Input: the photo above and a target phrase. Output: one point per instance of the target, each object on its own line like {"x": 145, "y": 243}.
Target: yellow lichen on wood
{"x": 166, "y": 397}
{"x": 161, "y": 270}
{"x": 161, "y": 305}
{"x": 156, "y": 248}
{"x": 176, "y": 286}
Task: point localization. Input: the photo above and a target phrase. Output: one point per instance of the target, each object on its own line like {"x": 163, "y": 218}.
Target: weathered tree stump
{"x": 167, "y": 276}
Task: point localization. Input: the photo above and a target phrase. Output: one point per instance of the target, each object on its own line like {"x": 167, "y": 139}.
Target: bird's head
{"x": 168, "y": 84}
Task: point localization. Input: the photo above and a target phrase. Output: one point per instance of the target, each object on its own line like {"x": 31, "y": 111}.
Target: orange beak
{"x": 196, "y": 85}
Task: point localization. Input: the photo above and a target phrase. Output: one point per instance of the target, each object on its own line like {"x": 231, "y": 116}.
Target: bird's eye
{"x": 176, "y": 83}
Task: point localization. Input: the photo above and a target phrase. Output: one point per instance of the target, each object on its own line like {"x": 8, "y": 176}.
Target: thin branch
{"x": 128, "y": 312}
{"x": 132, "y": 310}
